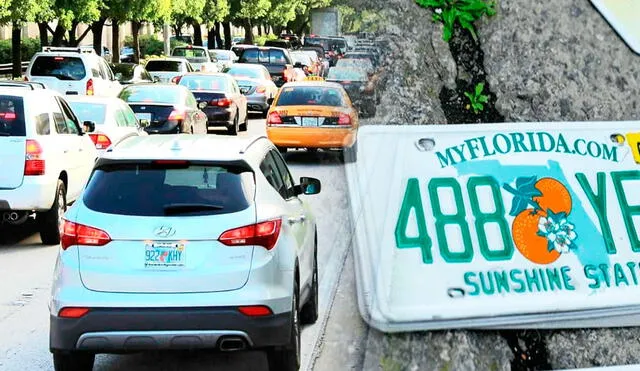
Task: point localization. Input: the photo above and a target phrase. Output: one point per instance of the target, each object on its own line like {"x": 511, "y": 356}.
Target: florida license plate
{"x": 164, "y": 254}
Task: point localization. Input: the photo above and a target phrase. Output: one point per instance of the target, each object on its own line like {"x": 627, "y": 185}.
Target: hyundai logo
{"x": 164, "y": 231}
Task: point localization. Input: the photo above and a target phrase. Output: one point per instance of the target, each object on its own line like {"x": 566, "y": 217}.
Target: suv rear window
{"x": 12, "y": 117}
{"x": 163, "y": 66}
{"x": 271, "y": 56}
{"x": 62, "y": 68}
{"x": 169, "y": 190}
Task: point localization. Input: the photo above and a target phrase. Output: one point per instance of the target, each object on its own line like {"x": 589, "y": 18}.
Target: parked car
{"x": 313, "y": 115}
{"x": 223, "y": 254}
{"x": 131, "y": 73}
{"x": 255, "y": 82}
{"x": 361, "y": 90}
{"x": 198, "y": 57}
{"x": 112, "y": 119}
{"x": 73, "y": 71}
{"x": 165, "y": 108}
{"x": 127, "y": 55}
{"x": 46, "y": 158}
{"x": 225, "y": 58}
{"x": 277, "y": 60}
{"x": 168, "y": 69}
{"x": 221, "y": 100}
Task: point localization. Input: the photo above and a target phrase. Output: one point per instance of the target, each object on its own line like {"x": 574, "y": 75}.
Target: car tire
{"x": 309, "y": 313}
{"x": 49, "y": 221}
{"x": 287, "y": 358}
{"x": 233, "y": 129}
{"x": 350, "y": 155}
{"x": 73, "y": 361}
{"x": 245, "y": 125}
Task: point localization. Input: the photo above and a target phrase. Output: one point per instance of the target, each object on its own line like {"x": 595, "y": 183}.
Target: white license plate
{"x": 498, "y": 225}
{"x": 164, "y": 254}
{"x": 309, "y": 121}
{"x": 142, "y": 117}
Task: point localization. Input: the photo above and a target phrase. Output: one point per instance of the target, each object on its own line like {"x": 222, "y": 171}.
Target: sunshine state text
{"x": 520, "y": 281}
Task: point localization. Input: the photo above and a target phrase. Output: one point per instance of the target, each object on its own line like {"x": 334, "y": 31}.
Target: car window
{"x": 238, "y": 70}
{"x": 89, "y": 111}
{"x": 107, "y": 70}
{"x": 164, "y": 66}
{"x": 269, "y": 168}
{"x": 43, "y": 124}
{"x": 287, "y": 179}
{"x": 277, "y": 57}
{"x": 148, "y": 189}
{"x": 58, "y": 117}
{"x": 121, "y": 120}
{"x": 129, "y": 116}
{"x": 96, "y": 71}
{"x": 151, "y": 94}
{"x": 311, "y": 95}
{"x": 62, "y": 68}
{"x": 205, "y": 82}
{"x": 12, "y": 120}
{"x": 191, "y": 101}
{"x": 71, "y": 121}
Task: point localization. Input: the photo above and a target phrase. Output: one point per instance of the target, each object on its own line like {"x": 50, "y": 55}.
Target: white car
{"x": 112, "y": 120}
{"x": 45, "y": 157}
{"x": 198, "y": 57}
{"x": 224, "y": 58}
{"x": 168, "y": 69}
{"x": 186, "y": 242}
{"x": 73, "y": 71}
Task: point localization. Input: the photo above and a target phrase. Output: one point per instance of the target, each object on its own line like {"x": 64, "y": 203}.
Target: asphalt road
{"x": 26, "y": 268}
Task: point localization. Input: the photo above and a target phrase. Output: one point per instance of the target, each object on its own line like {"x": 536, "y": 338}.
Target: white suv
{"x": 186, "y": 242}
{"x": 73, "y": 71}
{"x": 44, "y": 155}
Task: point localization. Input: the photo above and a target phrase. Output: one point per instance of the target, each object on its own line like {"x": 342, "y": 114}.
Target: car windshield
{"x": 163, "y": 66}
{"x": 89, "y": 111}
{"x": 204, "y": 82}
{"x": 311, "y": 96}
{"x": 189, "y": 53}
{"x": 351, "y": 74}
{"x": 238, "y": 70}
{"x": 126, "y": 71}
{"x": 152, "y": 94}
{"x": 62, "y": 68}
{"x": 12, "y": 120}
{"x": 160, "y": 190}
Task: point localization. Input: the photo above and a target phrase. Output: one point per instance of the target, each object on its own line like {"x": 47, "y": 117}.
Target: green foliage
{"x": 462, "y": 12}
{"x": 150, "y": 45}
{"x": 28, "y": 47}
{"x": 260, "y": 40}
{"x": 477, "y": 99}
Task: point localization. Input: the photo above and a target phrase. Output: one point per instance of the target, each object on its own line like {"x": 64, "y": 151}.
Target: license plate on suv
{"x": 164, "y": 254}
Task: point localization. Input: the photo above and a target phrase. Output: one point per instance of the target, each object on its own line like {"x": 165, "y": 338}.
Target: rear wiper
{"x": 173, "y": 209}
{"x": 3, "y": 134}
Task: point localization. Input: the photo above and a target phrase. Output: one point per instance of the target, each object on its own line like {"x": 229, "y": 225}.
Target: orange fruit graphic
{"x": 555, "y": 197}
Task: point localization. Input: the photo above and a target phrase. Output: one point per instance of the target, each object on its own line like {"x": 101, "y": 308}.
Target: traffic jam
{"x": 167, "y": 187}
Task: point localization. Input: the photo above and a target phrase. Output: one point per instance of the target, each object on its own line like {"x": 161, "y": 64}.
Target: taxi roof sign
{"x": 314, "y": 78}
{"x": 501, "y": 226}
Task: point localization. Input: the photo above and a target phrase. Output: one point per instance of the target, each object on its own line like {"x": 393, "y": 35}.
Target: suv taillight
{"x": 33, "y": 161}
{"x": 261, "y": 234}
{"x": 78, "y": 234}
{"x": 100, "y": 140}
{"x": 90, "y": 87}
{"x": 274, "y": 119}
{"x": 344, "y": 119}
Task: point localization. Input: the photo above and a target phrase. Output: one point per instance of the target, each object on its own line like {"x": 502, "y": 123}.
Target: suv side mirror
{"x": 270, "y": 101}
{"x": 89, "y": 126}
{"x": 309, "y": 186}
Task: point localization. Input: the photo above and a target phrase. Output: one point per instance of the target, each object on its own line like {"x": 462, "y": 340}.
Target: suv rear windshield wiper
{"x": 173, "y": 209}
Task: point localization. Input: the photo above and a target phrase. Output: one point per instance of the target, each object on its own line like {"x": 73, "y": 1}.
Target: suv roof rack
{"x": 22, "y": 84}
{"x": 58, "y": 49}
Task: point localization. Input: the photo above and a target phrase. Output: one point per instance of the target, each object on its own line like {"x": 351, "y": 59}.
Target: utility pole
{"x": 167, "y": 39}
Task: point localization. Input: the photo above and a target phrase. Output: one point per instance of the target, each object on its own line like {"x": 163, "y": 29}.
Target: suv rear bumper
{"x": 115, "y": 330}
{"x": 35, "y": 194}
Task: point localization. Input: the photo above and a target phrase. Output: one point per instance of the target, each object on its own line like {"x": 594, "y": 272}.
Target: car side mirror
{"x": 156, "y": 79}
{"x": 202, "y": 105}
{"x": 270, "y": 101}
{"x": 89, "y": 126}
{"x": 309, "y": 186}
{"x": 118, "y": 76}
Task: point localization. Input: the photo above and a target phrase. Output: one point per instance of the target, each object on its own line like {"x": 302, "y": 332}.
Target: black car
{"x": 165, "y": 108}
{"x": 131, "y": 73}
{"x": 294, "y": 39}
{"x": 278, "y": 62}
{"x": 221, "y": 100}
{"x": 362, "y": 91}
{"x": 284, "y": 44}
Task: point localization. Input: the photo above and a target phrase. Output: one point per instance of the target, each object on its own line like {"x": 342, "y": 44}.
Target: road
{"x": 26, "y": 268}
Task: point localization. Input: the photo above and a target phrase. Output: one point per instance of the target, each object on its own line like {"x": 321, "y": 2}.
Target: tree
{"x": 188, "y": 13}
{"x": 140, "y": 11}
{"x": 245, "y": 12}
{"x": 214, "y": 12}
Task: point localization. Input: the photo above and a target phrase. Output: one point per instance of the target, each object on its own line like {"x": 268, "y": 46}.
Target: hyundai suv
{"x": 186, "y": 242}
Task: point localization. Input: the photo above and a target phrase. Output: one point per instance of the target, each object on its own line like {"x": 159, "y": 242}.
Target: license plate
{"x": 309, "y": 121}
{"x": 164, "y": 254}
{"x": 144, "y": 117}
{"x": 244, "y": 89}
{"x": 497, "y": 225}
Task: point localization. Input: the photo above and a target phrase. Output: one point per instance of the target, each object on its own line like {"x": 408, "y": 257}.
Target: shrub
{"x": 29, "y": 47}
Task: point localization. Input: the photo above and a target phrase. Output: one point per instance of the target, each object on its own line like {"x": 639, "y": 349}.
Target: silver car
{"x": 186, "y": 242}
{"x": 168, "y": 69}
{"x": 255, "y": 82}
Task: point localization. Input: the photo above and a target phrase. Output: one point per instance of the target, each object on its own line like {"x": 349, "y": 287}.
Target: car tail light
{"x": 100, "y": 140}
{"x": 73, "y": 312}
{"x": 176, "y": 79}
{"x": 344, "y": 119}
{"x": 262, "y": 234}
{"x": 177, "y": 115}
{"x": 33, "y": 161}
{"x": 8, "y": 116}
{"x": 274, "y": 119}
{"x": 224, "y": 102}
{"x": 261, "y": 89}
{"x": 90, "y": 90}
{"x": 79, "y": 234}
{"x": 255, "y": 310}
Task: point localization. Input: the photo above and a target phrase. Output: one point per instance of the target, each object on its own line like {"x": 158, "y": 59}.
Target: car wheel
{"x": 350, "y": 155}
{"x": 245, "y": 124}
{"x": 309, "y": 313}
{"x": 73, "y": 361}
{"x": 287, "y": 358}
{"x": 49, "y": 222}
{"x": 233, "y": 129}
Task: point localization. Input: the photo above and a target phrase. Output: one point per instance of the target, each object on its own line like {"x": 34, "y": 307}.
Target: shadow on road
{"x": 304, "y": 157}
{"x": 13, "y": 234}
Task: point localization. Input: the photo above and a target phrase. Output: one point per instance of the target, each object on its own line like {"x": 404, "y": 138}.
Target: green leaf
{"x": 483, "y": 99}
{"x": 469, "y": 95}
{"x": 523, "y": 194}
{"x": 447, "y": 33}
{"x": 479, "y": 88}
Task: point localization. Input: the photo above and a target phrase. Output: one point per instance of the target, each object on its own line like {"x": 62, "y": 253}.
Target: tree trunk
{"x": 227, "y": 35}
{"x": 16, "y": 53}
{"x": 177, "y": 29}
{"x": 43, "y": 29}
{"x": 135, "y": 31}
{"x": 58, "y": 36}
{"x": 259, "y": 30}
{"x": 211, "y": 36}
{"x": 73, "y": 41}
{"x": 197, "y": 33}
{"x": 115, "y": 41}
{"x": 96, "y": 30}
{"x": 248, "y": 32}
{"x": 219, "y": 45}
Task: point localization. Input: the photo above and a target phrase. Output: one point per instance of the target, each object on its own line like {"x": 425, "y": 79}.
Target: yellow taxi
{"x": 313, "y": 115}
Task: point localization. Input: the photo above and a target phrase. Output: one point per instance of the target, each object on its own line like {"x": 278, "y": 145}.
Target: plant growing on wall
{"x": 477, "y": 99}
{"x": 463, "y": 12}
